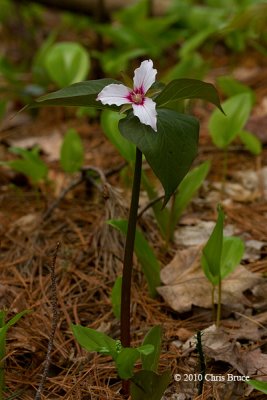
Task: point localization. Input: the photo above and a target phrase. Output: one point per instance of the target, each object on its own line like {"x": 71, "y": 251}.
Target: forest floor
{"x": 90, "y": 257}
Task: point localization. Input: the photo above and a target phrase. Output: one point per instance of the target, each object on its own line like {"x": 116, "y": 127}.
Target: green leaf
{"x": 186, "y": 190}
{"x": 192, "y": 66}
{"x": 2, "y": 318}
{"x": 17, "y": 317}
{"x": 146, "y": 349}
{"x": 109, "y": 124}
{"x": 93, "y": 340}
{"x": 232, "y": 253}
{"x": 125, "y": 362}
{"x": 116, "y": 297}
{"x": 195, "y": 41}
{"x": 32, "y": 165}
{"x": 79, "y": 94}
{"x": 150, "y": 361}
{"x": 224, "y": 128}
{"x": 171, "y": 150}
{"x": 232, "y": 87}
{"x": 212, "y": 252}
{"x": 181, "y": 89}
{"x": 67, "y": 63}
{"x": 40, "y": 74}
{"x": 5, "y": 326}
{"x": 71, "y": 152}
{"x": 145, "y": 255}
{"x": 258, "y": 385}
{"x": 251, "y": 142}
{"x": 147, "y": 385}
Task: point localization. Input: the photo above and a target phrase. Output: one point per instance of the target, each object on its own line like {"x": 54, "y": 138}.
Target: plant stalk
{"x": 218, "y": 319}
{"x": 128, "y": 260}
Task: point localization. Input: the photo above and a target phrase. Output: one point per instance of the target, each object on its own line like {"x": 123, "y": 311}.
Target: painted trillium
{"x": 143, "y": 107}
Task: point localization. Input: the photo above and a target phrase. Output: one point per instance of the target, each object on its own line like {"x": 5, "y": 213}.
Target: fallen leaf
{"x": 186, "y": 284}
{"x": 220, "y": 346}
{"x": 198, "y": 234}
{"x": 27, "y": 223}
{"x": 50, "y": 145}
{"x": 253, "y": 250}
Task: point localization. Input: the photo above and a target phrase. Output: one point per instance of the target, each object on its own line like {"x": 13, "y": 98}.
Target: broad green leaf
{"x": 71, "y": 152}
{"x": 109, "y": 124}
{"x": 251, "y": 142}
{"x": 212, "y": 252}
{"x": 258, "y": 385}
{"x": 79, "y": 94}
{"x": 145, "y": 255}
{"x": 125, "y": 362}
{"x": 232, "y": 253}
{"x": 181, "y": 89}
{"x": 186, "y": 190}
{"x": 93, "y": 340}
{"x": 67, "y": 63}
{"x": 171, "y": 150}
{"x": 224, "y": 128}
{"x": 147, "y": 385}
{"x": 116, "y": 297}
{"x": 150, "y": 361}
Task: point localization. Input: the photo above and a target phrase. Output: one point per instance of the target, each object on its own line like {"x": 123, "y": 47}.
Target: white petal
{"x": 114, "y": 94}
{"x": 146, "y": 113}
{"x": 144, "y": 76}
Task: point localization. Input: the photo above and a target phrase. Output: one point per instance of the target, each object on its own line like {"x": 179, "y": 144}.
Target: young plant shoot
{"x": 169, "y": 142}
{"x": 220, "y": 257}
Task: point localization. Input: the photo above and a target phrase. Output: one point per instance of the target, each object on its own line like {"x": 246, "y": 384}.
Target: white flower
{"x": 143, "y": 107}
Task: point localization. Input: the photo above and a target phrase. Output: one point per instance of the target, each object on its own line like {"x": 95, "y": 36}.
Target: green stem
{"x": 219, "y": 303}
{"x": 128, "y": 259}
{"x": 213, "y": 303}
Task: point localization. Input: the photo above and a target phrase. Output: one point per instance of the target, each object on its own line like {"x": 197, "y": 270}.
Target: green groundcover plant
{"x": 4, "y": 327}
{"x": 169, "y": 141}
{"x": 220, "y": 256}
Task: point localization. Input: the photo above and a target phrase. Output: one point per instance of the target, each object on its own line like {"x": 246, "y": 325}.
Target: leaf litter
{"x": 185, "y": 284}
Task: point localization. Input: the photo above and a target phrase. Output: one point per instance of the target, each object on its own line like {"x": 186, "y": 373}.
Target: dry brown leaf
{"x": 220, "y": 346}
{"x": 186, "y": 284}
{"x": 198, "y": 233}
{"x": 27, "y": 223}
{"x": 50, "y": 145}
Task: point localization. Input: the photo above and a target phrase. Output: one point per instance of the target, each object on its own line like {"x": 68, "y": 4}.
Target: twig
{"x": 55, "y": 316}
{"x": 64, "y": 192}
{"x": 83, "y": 177}
{"x": 202, "y": 363}
{"x": 150, "y": 204}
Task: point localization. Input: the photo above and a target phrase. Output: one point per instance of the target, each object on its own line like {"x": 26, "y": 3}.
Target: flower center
{"x": 137, "y": 98}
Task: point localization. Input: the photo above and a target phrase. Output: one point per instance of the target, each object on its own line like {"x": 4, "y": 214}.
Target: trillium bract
{"x": 143, "y": 107}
